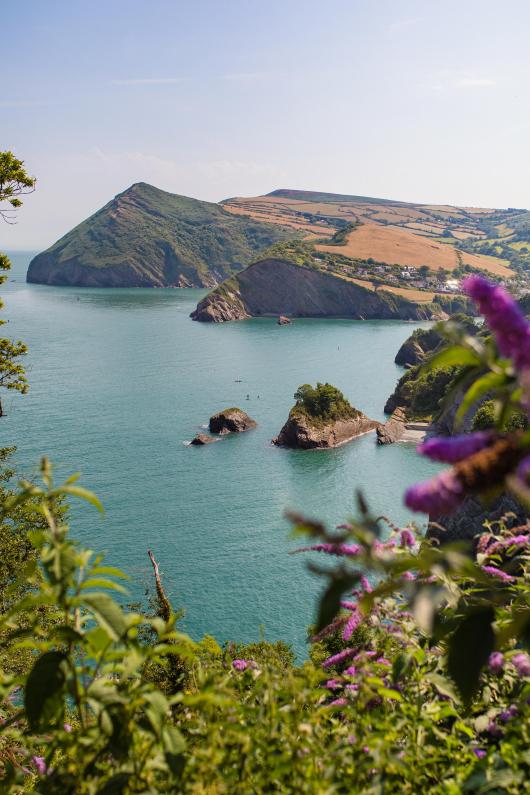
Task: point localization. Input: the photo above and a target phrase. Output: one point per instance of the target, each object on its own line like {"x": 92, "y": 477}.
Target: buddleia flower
{"x": 504, "y": 317}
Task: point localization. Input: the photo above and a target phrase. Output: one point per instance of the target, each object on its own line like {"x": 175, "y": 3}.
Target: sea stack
{"x": 322, "y": 418}
{"x": 232, "y": 420}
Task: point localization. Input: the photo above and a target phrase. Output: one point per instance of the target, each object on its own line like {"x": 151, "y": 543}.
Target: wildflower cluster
{"x": 483, "y": 461}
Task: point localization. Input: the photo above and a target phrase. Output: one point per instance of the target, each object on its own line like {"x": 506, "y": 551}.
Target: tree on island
{"x": 324, "y": 401}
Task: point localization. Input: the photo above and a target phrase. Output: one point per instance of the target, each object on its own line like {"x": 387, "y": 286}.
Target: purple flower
{"x": 240, "y": 665}
{"x": 496, "y": 662}
{"x": 67, "y": 727}
{"x": 480, "y": 753}
{"x": 333, "y": 684}
{"x": 336, "y": 659}
{"x": 451, "y": 449}
{"x": 493, "y": 729}
{"x": 351, "y": 671}
{"x": 436, "y": 497}
{"x": 493, "y": 571}
{"x": 408, "y": 538}
{"x": 408, "y": 575}
{"x": 365, "y": 584}
{"x": 40, "y": 764}
{"x": 339, "y": 702}
{"x": 484, "y": 542}
{"x": 352, "y": 739}
{"x": 521, "y": 662}
{"x": 351, "y": 624}
{"x": 504, "y": 317}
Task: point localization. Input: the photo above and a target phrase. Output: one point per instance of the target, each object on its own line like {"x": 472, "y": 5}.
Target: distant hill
{"x": 146, "y": 237}
{"x": 401, "y": 234}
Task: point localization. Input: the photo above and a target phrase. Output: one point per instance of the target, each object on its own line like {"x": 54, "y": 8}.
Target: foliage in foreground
{"x": 419, "y": 677}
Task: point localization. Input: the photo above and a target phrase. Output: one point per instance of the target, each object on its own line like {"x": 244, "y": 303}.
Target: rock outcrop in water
{"x": 146, "y": 237}
{"x": 232, "y": 420}
{"x": 202, "y": 439}
{"x": 393, "y": 429}
{"x": 273, "y": 287}
{"x": 300, "y": 432}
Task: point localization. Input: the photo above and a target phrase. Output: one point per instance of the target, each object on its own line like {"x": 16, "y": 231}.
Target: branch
{"x": 164, "y": 606}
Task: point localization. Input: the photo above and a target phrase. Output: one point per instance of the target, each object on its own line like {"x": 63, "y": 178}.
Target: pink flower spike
{"x": 408, "y": 539}
{"x": 504, "y": 317}
{"x": 351, "y": 625}
{"x": 40, "y": 765}
{"x": 493, "y": 571}
{"x": 521, "y": 662}
{"x": 336, "y": 659}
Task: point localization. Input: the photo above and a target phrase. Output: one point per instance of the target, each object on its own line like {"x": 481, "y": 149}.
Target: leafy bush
{"x": 486, "y": 418}
{"x": 323, "y": 402}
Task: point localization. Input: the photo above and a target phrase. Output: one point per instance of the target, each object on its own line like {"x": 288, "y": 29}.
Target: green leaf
{"x": 393, "y": 695}
{"x": 42, "y": 694}
{"x": 469, "y": 648}
{"x": 156, "y": 710}
{"x": 478, "y": 389}
{"x": 174, "y": 746}
{"x": 83, "y": 494}
{"x": 107, "y": 612}
{"x": 442, "y": 685}
{"x": 455, "y": 355}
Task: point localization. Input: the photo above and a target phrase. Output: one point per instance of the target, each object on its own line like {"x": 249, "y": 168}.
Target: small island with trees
{"x": 322, "y": 418}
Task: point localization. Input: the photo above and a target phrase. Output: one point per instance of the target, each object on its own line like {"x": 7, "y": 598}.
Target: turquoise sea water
{"x": 121, "y": 379}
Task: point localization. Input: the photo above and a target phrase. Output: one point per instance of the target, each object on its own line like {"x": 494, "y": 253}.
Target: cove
{"x": 121, "y": 379}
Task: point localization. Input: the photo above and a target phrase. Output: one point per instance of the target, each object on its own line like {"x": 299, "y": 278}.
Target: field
{"x": 386, "y": 231}
{"x": 398, "y": 246}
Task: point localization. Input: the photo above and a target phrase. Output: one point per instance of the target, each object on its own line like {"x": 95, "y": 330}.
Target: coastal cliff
{"x": 273, "y": 287}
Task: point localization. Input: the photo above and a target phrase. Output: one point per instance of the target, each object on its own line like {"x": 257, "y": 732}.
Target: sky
{"x": 417, "y": 101}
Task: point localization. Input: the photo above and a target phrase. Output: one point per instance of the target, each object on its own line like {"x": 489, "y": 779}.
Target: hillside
{"x": 146, "y": 237}
{"x": 289, "y": 281}
{"x": 396, "y": 239}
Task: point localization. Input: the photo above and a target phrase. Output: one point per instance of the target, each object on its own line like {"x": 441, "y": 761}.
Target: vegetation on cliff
{"x": 149, "y": 237}
{"x": 423, "y": 341}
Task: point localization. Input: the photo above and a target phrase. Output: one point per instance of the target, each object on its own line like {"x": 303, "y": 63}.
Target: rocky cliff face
{"x": 300, "y": 432}
{"x": 468, "y": 520}
{"x": 273, "y": 287}
{"x": 393, "y": 429}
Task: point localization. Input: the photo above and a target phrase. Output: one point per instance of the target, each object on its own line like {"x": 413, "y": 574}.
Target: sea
{"x": 121, "y": 380}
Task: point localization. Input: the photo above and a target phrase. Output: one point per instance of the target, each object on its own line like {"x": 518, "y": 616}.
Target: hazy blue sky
{"x": 422, "y": 101}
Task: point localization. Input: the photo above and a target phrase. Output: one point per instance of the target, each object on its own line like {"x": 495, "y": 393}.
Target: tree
{"x": 14, "y": 182}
